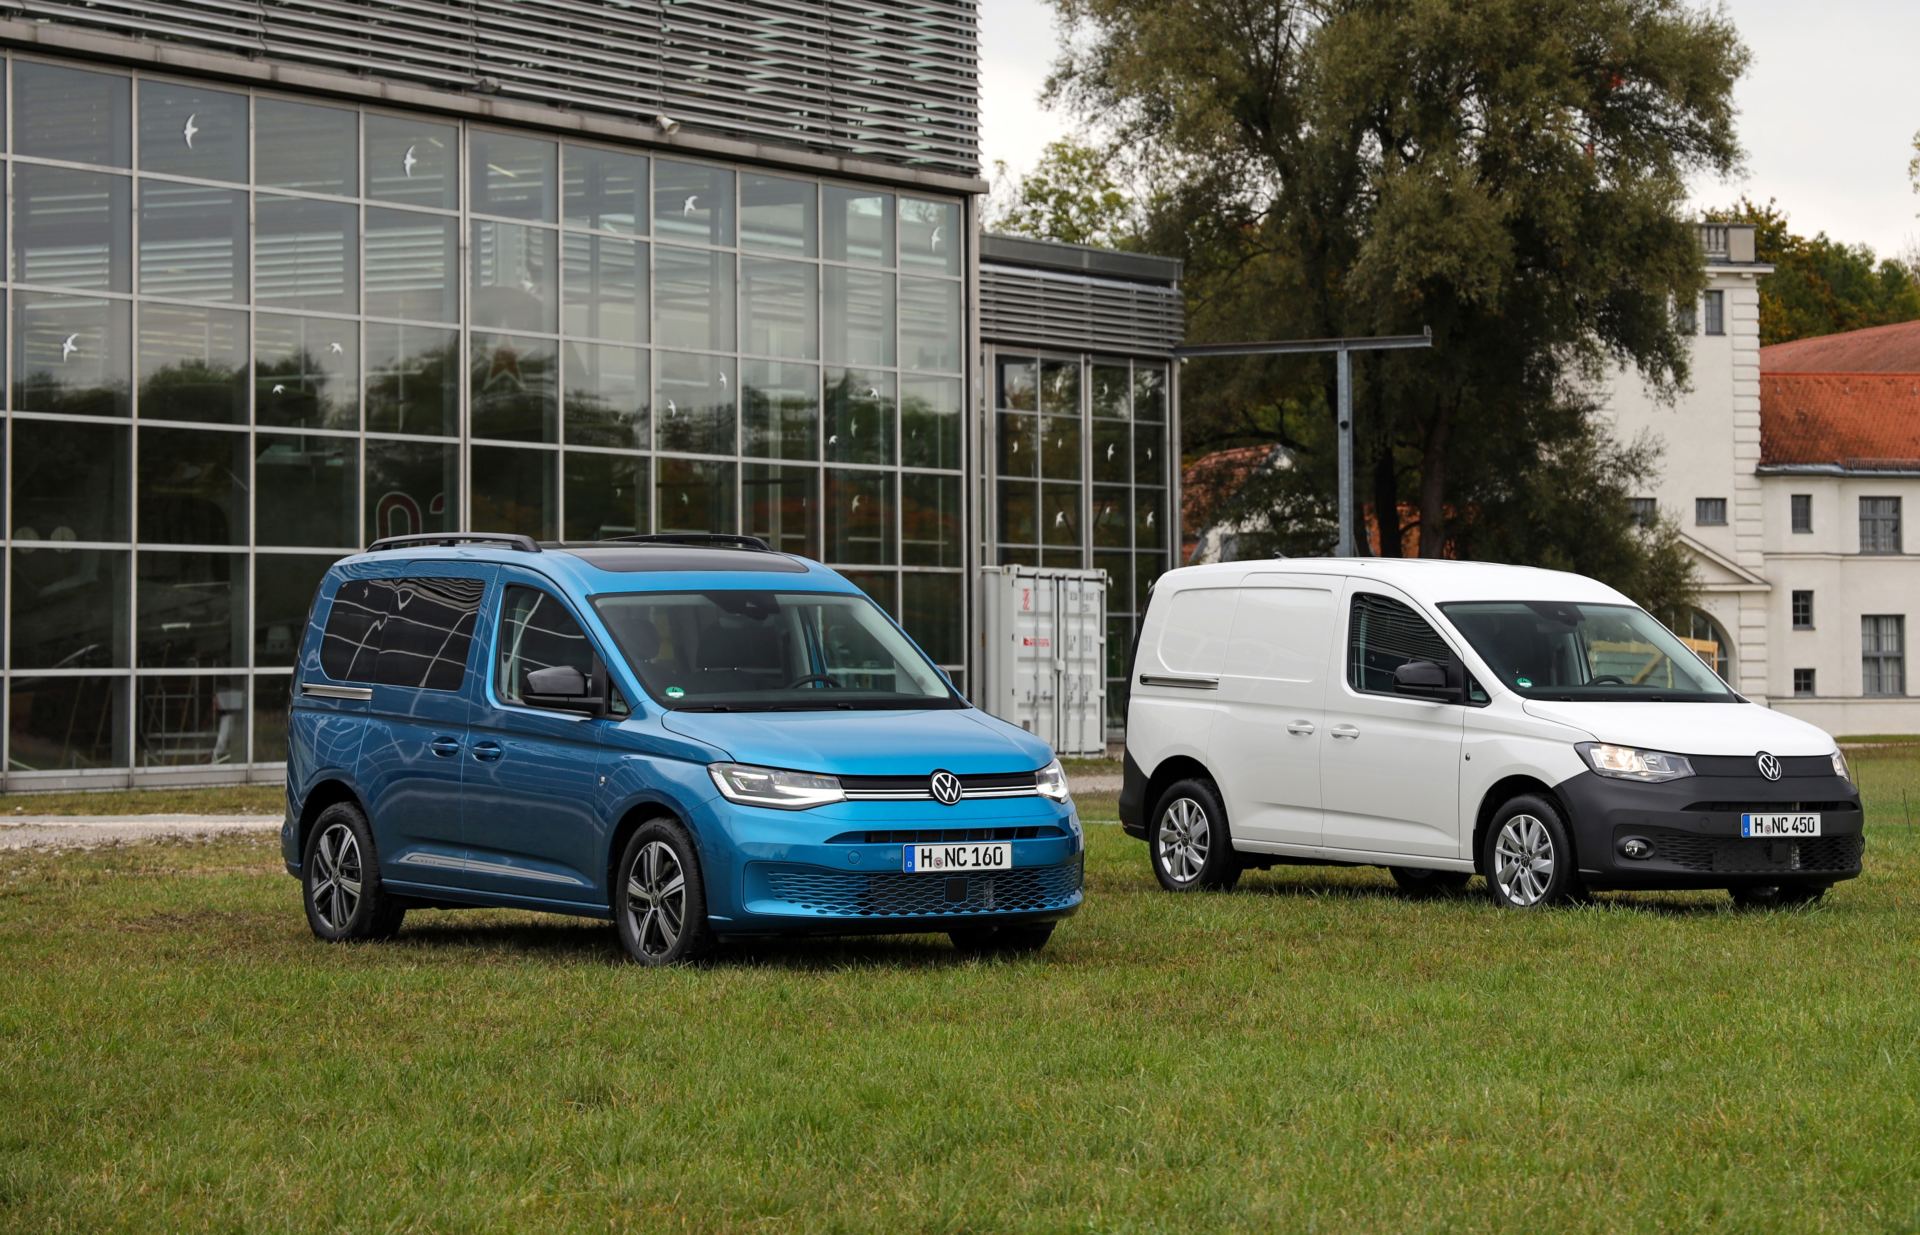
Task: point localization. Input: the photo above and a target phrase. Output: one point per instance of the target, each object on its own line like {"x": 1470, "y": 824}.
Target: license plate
{"x": 951, "y": 859}
{"x": 1771, "y": 827}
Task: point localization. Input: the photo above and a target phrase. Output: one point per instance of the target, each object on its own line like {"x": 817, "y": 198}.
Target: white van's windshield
{"x": 1573, "y": 652}
{"x": 750, "y": 651}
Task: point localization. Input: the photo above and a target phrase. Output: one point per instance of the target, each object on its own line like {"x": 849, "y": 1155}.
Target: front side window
{"x": 1879, "y": 525}
{"x": 1565, "y": 651}
{"x": 1883, "y": 655}
{"x": 753, "y": 651}
{"x": 537, "y": 632}
{"x": 1382, "y": 635}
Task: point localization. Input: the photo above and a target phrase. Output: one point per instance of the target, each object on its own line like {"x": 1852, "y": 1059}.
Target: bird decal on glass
{"x": 672, "y": 408}
{"x": 408, "y": 161}
{"x": 1111, "y": 447}
{"x": 336, "y": 349}
{"x": 934, "y": 241}
{"x": 279, "y": 389}
{"x": 690, "y": 205}
{"x": 723, "y": 379}
{"x": 191, "y": 129}
{"x": 69, "y": 347}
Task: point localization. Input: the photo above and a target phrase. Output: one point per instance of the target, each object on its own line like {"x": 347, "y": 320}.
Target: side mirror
{"x": 1422, "y": 679}
{"x": 564, "y": 689}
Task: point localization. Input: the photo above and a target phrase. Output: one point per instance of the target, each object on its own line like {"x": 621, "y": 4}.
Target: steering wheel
{"x": 811, "y": 677}
{"x": 1607, "y": 679}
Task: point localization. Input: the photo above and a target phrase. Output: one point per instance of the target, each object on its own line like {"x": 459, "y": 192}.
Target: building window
{"x": 1709, "y": 641}
{"x": 1803, "y": 610}
{"x": 1803, "y": 684}
{"x": 1716, "y": 312}
{"x": 1685, "y": 319}
{"x": 1879, "y": 525}
{"x": 1802, "y": 513}
{"x": 1710, "y": 511}
{"x": 1643, "y": 510}
{"x": 1883, "y": 658}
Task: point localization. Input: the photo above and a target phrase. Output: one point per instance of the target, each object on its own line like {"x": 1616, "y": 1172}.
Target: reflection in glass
{"x": 777, "y": 215}
{"x": 410, "y": 266}
{"x": 931, "y": 334}
{"x": 66, "y": 724}
{"x": 930, "y": 520}
{"x": 607, "y": 495}
{"x": 882, "y": 585}
{"x": 1119, "y": 568}
{"x": 193, "y": 610}
{"x": 1149, "y": 464}
{"x": 283, "y": 588}
{"x": 515, "y": 491}
{"x": 692, "y": 202}
{"x": 859, "y": 417}
{"x": 782, "y": 506}
{"x": 930, "y": 236}
{"x": 1149, "y": 523}
{"x": 932, "y": 610}
{"x": 71, "y": 481}
{"x": 606, "y": 288}
{"x": 306, "y": 254}
{"x": 411, "y": 487}
{"x": 70, "y": 609}
{"x": 606, "y": 395}
{"x": 1060, "y": 514}
{"x": 1112, "y": 451}
{"x": 696, "y": 496}
{"x": 192, "y": 487}
{"x": 1060, "y": 447}
{"x": 859, "y": 225}
{"x": 693, "y": 410}
{"x": 1017, "y": 387}
{"x": 72, "y": 115}
{"x": 780, "y": 409}
{"x": 72, "y": 228}
{"x": 1019, "y": 555}
{"x": 513, "y": 283}
{"x": 1146, "y": 568}
{"x": 309, "y": 490}
{"x": 186, "y": 719}
{"x": 859, "y": 316}
{"x": 1149, "y": 394}
{"x": 930, "y": 422}
{"x": 301, "y": 146}
{"x": 412, "y": 161}
{"x": 693, "y": 299}
{"x": 1019, "y": 443}
{"x": 72, "y": 355}
{"x": 306, "y": 372}
{"x": 271, "y": 697}
{"x": 512, "y": 176}
{"x": 606, "y": 190}
{"x": 513, "y": 388}
{"x": 1060, "y": 387}
{"x": 1109, "y": 388}
{"x": 193, "y": 241}
{"x": 193, "y": 364}
{"x": 778, "y": 308}
{"x": 1112, "y": 517}
{"x": 189, "y": 130}
{"x": 412, "y": 380}
{"x": 1019, "y": 512}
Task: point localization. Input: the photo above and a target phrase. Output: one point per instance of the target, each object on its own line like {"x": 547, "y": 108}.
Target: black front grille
{"x": 1732, "y": 855}
{"x": 922, "y": 784}
{"x": 948, "y": 836}
{"x": 1749, "y": 765}
{"x": 899, "y": 895}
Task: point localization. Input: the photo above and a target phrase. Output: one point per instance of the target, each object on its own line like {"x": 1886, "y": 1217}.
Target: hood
{"x": 1689, "y": 728}
{"x": 876, "y": 743}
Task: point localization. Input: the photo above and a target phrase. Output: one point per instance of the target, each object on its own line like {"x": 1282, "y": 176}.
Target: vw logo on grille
{"x": 946, "y": 788}
{"x": 1769, "y": 765}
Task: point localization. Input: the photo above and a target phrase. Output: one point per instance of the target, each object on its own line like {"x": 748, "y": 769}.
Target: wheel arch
{"x": 1171, "y": 770}
{"x": 328, "y": 791}
{"x": 637, "y": 813}
{"x": 1499, "y": 794}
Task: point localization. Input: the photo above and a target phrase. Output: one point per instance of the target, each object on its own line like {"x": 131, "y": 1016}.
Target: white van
{"x": 1448, "y": 718}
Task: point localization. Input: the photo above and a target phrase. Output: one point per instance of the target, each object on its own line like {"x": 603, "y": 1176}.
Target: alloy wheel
{"x": 1185, "y": 840}
{"x": 1523, "y": 860}
{"x": 336, "y": 877}
{"x": 656, "y": 898}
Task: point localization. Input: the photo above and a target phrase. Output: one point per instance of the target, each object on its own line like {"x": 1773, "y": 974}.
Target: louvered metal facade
{"x": 892, "y": 81}
{"x": 1037, "y": 294}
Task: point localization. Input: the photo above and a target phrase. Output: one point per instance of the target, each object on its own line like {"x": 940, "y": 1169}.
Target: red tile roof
{"x": 1878, "y": 349}
{"x": 1857, "y": 421}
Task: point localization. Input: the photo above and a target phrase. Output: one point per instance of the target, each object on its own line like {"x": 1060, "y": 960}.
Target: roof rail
{"x": 427, "y": 540}
{"x": 711, "y": 540}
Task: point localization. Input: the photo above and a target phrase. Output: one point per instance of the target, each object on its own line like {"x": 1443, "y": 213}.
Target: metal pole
{"x": 1344, "y": 358}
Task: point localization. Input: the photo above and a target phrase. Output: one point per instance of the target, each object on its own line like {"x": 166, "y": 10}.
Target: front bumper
{"x": 1692, "y": 826}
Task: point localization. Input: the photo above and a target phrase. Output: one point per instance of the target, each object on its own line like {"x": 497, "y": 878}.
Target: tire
{"x": 1529, "y": 827}
{"x": 340, "y": 880}
{"x": 1019, "y": 939}
{"x": 1776, "y": 895}
{"x": 1418, "y": 881}
{"x": 660, "y": 898}
{"x": 1188, "y": 841}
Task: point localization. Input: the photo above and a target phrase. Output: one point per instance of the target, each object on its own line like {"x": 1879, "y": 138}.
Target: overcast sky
{"x": 1827, "y": 111}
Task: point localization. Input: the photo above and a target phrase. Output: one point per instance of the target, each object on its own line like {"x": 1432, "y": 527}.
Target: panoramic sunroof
{"x": 658, "y": 558}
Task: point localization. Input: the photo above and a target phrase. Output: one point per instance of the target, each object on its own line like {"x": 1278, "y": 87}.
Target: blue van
{"x": 694, "y": 736}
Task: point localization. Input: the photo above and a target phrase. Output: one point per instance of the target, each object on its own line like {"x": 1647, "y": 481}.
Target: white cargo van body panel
{"x": 1176, "y": 676}
{"x": 1273, "y": 684}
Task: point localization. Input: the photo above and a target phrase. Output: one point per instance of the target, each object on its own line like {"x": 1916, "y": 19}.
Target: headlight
{"x": 1840, "y": 767}
{"x": 774, "y": 787}
{"x": 1626, "y": 763}
{"x": 1051, "y": 781}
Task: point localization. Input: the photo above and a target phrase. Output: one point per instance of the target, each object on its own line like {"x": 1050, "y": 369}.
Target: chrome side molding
{"x": 1183, "y": 683}
{"x": 327, "y": 690}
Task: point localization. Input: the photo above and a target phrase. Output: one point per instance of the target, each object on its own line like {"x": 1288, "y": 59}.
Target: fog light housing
{"x": 1637, "y": 848}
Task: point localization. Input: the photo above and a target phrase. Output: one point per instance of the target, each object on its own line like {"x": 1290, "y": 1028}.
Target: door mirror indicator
{"x": 1422, "y": 679}
{"x": 562, "y": 688}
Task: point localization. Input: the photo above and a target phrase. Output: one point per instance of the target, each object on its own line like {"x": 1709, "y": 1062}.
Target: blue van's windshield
{"x": 1599, "y": 653}
{"x": 751, "y": 651}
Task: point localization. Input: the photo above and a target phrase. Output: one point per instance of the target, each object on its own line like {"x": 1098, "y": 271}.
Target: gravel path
{"x": 92, "y": 831}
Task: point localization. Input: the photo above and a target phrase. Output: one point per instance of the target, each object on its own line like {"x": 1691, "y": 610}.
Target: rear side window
{"x": 1384, "y": 634}
{"x": 402, "y": 632}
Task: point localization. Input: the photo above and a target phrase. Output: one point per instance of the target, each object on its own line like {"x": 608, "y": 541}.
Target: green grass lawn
{"x": 211, "y": 800}
{"x": 1311, "y": 1052}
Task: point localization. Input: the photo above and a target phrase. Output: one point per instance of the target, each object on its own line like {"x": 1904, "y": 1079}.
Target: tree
{"x": 1818, "y": 285}
{"x": 1511, "y": 173}
{"x": 1070, "y": 196}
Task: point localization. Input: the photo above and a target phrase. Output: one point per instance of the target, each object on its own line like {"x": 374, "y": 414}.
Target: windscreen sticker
{"x": 676, "y": 692}
{"x": 1517, "y": 681}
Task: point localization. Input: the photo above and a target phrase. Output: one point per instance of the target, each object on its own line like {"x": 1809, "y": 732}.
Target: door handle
{"x": 446, "y": 748}
{"x": 1345, "y": 731}
{"x": 487, "y": 752}
{"x": 1301, "y": 727}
